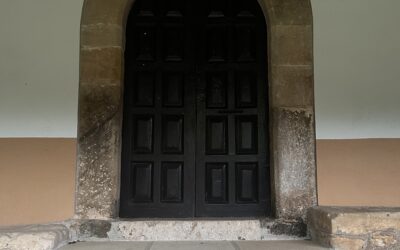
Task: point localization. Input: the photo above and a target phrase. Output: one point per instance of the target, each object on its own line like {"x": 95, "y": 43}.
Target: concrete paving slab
{"x": 194, "y": 245}
{"x": 109, "y": 246}
{"x": 277, "y": 245}
{"x": 197, "y": 245}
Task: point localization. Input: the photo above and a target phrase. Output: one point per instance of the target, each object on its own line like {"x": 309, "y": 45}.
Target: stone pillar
{"x": 100, "y": 108}
{"x": 292, "y": 106}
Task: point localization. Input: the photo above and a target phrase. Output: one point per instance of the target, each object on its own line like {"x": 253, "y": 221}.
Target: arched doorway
{"x": 195, "y": 110}
{"x": 291, "y": 108}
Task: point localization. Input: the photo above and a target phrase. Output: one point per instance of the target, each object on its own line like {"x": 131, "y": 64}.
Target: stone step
{"x": 355, "y": 227}
{"x": 184, "y": 230}
{"x": 34, "y": 237}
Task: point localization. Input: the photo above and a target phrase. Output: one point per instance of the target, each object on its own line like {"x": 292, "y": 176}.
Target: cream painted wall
{"x": 39, "y": 67}
{"x": 357, "y": 68}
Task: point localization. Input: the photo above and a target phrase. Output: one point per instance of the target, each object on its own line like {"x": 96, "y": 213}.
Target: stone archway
{"x": 291, "y": 107}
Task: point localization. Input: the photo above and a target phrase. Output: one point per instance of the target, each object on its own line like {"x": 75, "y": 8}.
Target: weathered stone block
{"x": 100, "y": 103}
{"x": 38, "y": 237}
{"x": 102, "y": 35}
{"x": 98, "y": 172}
{"x": 101, "y": 65}
{"x": 293, "y": 148}
{"x": 105, "y": 11}
{"x": 355, "y": 227}
{"x": 292, "y": 86}
{"x": 292, "y": 45}
{"x": 289, "y": 12}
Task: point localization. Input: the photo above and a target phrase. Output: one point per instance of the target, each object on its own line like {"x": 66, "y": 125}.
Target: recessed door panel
{"x": 173, "y": 136}
{"x": 145, "y": 43}
{"x": 216, "y": 44}
{"x": 174, "y": 40}
{"x": 173, "y": 85}
{"x": 216, "y": 183}
{"x": 246, "y": 182}
{"x": 142, "y": 181}
{"x": 143, "y": 134}
{"x": 246, "y": 135}
{"x": 216, "y": 90}
{"x": 245, "y": 43}
{"x": 144, "y": 90}
{"x": 216, "y": 135}
{"x": 246, "y": 89}
{"x": 171, "y": 181}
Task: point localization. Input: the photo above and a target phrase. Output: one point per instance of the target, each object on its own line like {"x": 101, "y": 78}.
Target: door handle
{"x": 230, "y": 111}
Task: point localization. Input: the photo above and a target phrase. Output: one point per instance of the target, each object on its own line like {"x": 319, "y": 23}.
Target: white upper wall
{"x": 39, "y": 67}
{"x": 357, "y": 68}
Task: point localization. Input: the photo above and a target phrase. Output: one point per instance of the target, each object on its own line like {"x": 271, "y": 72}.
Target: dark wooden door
{"x": 195, "y": 117}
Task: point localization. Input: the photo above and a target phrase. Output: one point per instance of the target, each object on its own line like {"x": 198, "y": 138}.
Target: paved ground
{"x": 198, "y": 245}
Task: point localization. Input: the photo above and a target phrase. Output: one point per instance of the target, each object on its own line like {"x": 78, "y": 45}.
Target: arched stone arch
{"x": 291, "y": 105}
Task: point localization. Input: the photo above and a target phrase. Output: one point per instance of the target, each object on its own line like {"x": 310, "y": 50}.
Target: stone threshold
{"x": 188, "y": 230}
{"x": 355, "y": 228}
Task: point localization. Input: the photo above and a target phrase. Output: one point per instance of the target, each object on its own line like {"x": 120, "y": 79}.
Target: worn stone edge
{"x": 64, "y": 230}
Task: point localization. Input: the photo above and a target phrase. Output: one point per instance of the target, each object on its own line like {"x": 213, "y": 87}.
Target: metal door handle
{"x": 230, "y": 111}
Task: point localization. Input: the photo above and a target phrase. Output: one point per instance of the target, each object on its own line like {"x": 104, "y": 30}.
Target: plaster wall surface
{"x": 36, "y": 180}
{"x": 39, "y": 67}
{"x": 357, "y": 76}
{"x": 356, "y": 50}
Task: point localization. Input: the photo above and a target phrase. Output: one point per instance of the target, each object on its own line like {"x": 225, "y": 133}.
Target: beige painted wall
{"x": 359, "y": 172}
{"x": 37, "y": 178}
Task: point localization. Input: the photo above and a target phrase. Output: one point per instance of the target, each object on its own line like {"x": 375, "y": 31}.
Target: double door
{"x": 195, "y": 128}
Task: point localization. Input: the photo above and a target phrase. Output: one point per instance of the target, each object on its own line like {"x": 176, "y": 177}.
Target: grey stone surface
{"x": 295, "y": 227}
{"x": 278, "y": 245}
{"x": 35, "y": 237}
{"x": 94, "y": 228}
{"x": 355, "y": 227}
{"x": 108, "y": 246}
{"x": 197, "y": 245}
{"x": 98, "y": 186}
{"x": 293, "y": 152}
{"x": 182, "y": 230}
{"x": 221, "y": 245}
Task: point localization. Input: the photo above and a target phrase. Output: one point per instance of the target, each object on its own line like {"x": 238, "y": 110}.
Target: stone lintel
{"x": 355, "y": 227}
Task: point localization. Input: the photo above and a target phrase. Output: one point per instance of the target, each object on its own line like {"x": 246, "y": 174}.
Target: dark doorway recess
{"x": 195, "y": 128}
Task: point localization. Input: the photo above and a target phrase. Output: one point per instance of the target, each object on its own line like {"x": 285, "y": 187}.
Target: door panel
{"x": 158, "y": 158}
{"x": 232, "y": 172}
{"x": 195, "y": 117}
